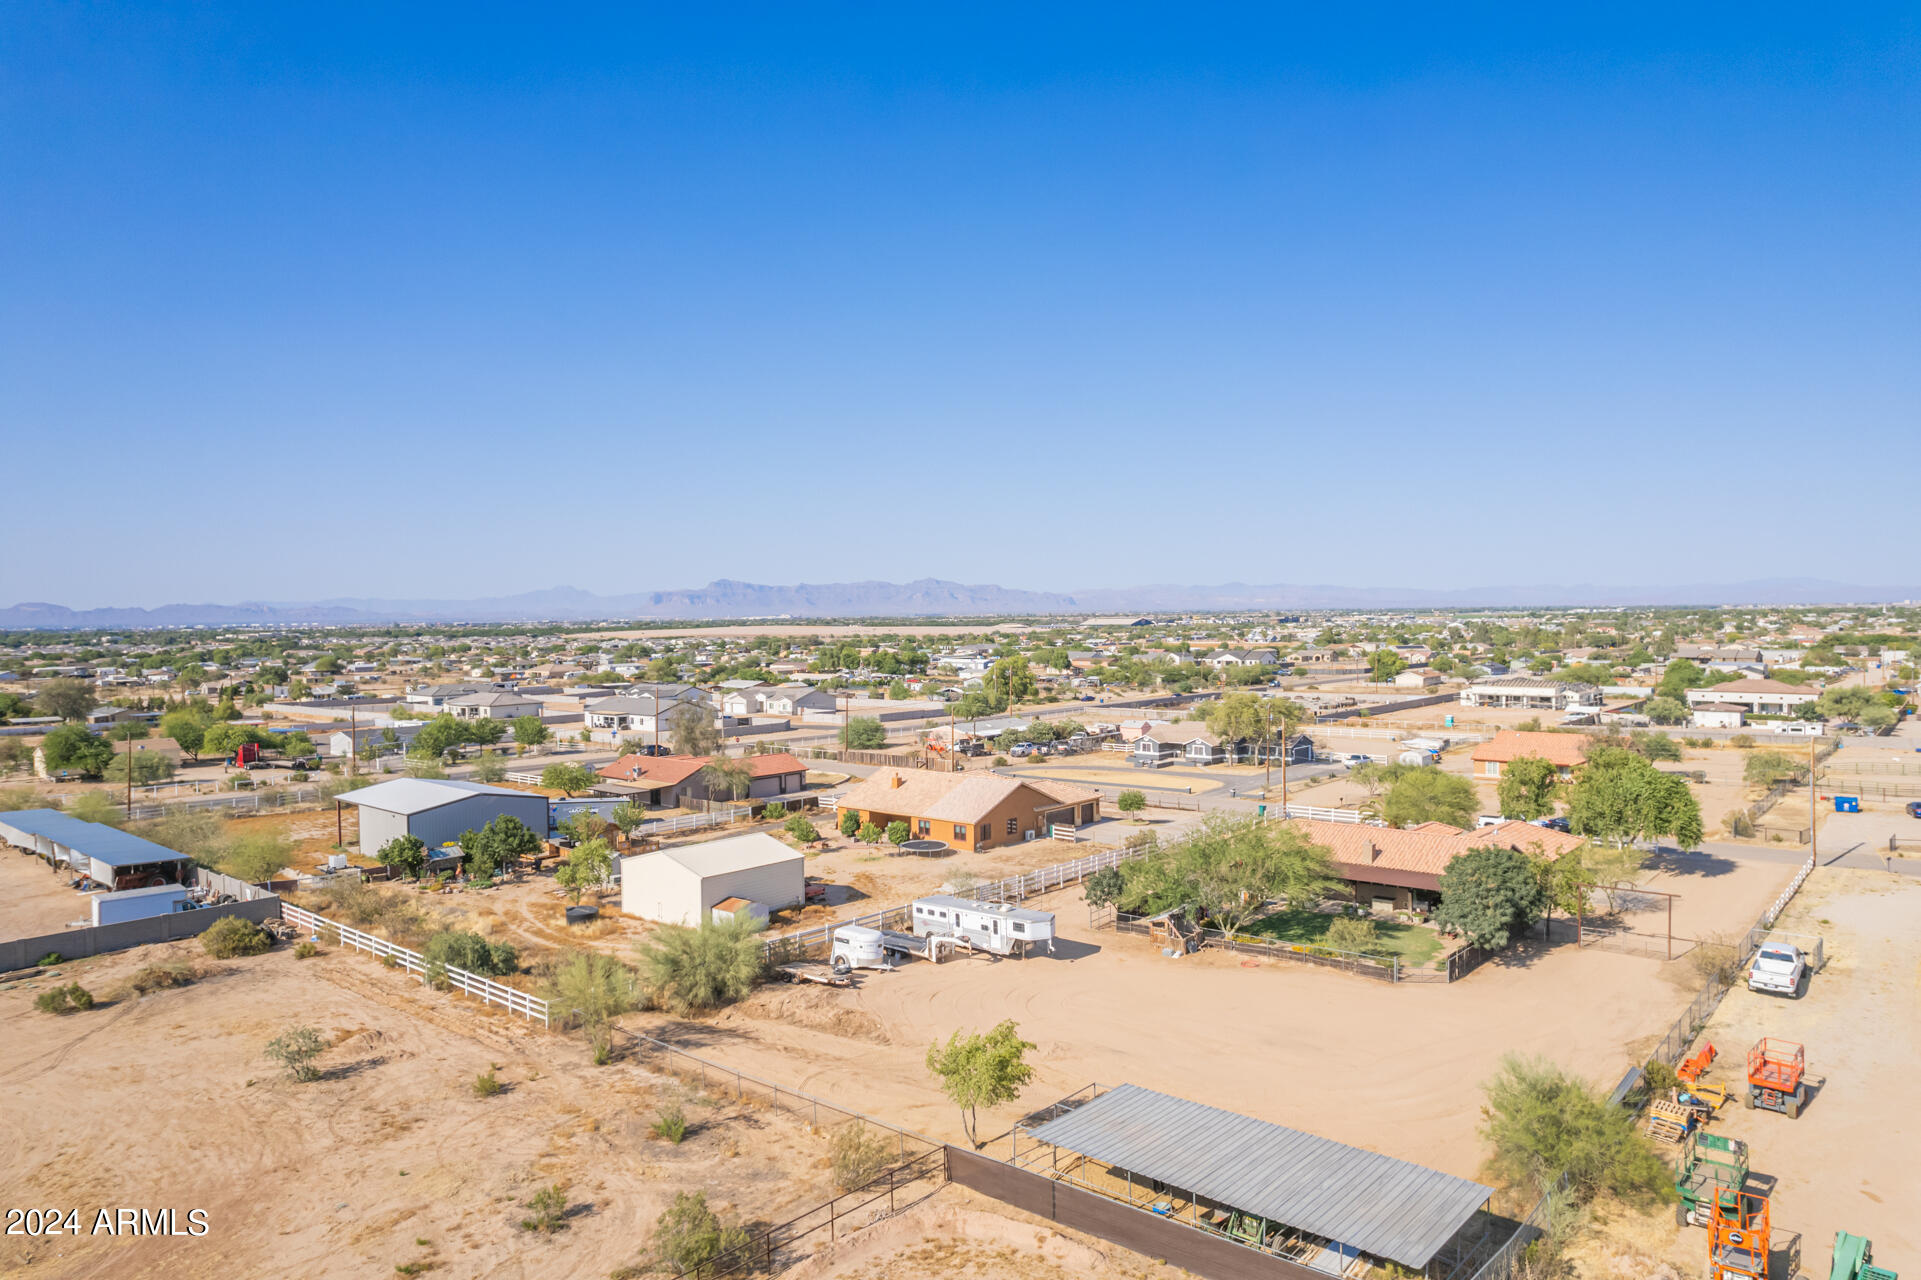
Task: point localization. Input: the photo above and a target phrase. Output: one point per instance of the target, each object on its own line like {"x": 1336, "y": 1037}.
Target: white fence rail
{"x": 694, "y": 821}
{"x": 244, "y": 801}
{"x": 484, "y": 989}
{"x": 1351, "y": 816}
{"x": 1787, "y": 894}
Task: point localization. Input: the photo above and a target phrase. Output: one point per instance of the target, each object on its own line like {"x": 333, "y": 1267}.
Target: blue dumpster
{"x": 1847, "y": 804}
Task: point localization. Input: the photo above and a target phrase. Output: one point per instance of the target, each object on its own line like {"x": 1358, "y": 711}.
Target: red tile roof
{"x": 1564, "y": 750}
{"x": 667, "y": 771}
{"x": 1417, "y": 856}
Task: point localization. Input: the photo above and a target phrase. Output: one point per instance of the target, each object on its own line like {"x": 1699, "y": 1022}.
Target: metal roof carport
{"x": 99, "y": 850}
{"x": 1379, "y": 1205}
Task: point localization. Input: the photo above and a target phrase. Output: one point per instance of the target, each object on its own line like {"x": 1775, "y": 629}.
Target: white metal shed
{"x": 681, "y": 885}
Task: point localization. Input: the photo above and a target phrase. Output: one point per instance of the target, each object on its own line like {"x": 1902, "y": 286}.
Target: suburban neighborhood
{"x": 896, "y": 642}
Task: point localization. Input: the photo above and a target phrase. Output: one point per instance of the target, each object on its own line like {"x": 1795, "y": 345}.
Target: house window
{"x": 925, "y": 826}
{"x": 1013, "y": 826}
{"x": 960, "y": 832}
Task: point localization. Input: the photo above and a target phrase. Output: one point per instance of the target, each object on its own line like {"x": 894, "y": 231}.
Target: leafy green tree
{"x": 407, "y": 855}
{"x": 849, "y": 822}
{"x": 1489, "y": 895}
{"x": 897, "y": 832}
{"x": 800, "y": 830}
{"x": 983, "y": 1069}
{"x": 1104, "y": 887}
{"x": 688, "y": 969}
{"x": 126, "y": 731}
{"x": 1131, "y": 801}
{"x": 1385, "y": 664}
{"x": 1527, "y": 788}
{"x": 692, "y": 728}
{"x": 1618, "y": 795}
{"x": 1428, "y": 795}
{"x": 73, "y": 748}
{"x": 568, "y": 778}
{"x": 503, "y": 842}
{"x": 1543, "y": 1121}
{"x": 868, "y": 833}
{"x": 148, "y": 767}
{"x": 1842, "y": 702}
{"x": 529, "y": 731}
{"x": 589, "y": 989}
{"x": 588, "y": 865}
{"x": 68, "y": 699}
{"x": 864, "y": 733}
{"x": 1010, "y": 681}
{"x": 1664, "y": 710}
{"x": 628, "y": 816}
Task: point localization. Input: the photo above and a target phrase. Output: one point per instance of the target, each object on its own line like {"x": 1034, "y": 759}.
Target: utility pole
{"x": 1814, "y": 819}
{"x": 129, "y": 775}
{"x": 353, "y": 739}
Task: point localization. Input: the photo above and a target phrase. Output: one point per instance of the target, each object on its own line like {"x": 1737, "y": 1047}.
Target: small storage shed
{"x": 138, "y": 904}
{"x": 728, "y": 910}
{"x": 436, "y": 810}
{"x": 683, "y": 884}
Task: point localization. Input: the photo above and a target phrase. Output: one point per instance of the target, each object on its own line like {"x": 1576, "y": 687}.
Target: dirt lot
{"x": 1847, "y": 1162}
{"x": 388, "y": 1160}
{"x": 1393, "y": 1068}
{"x": 35, "y": 899}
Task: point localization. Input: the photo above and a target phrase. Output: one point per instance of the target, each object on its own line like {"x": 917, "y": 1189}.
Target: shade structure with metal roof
{"x": 101, "y": 851}
{"x": 1380, "y": 1205}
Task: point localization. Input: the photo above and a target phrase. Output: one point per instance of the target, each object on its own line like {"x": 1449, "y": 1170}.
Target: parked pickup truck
{"x": 1777, "y": 969}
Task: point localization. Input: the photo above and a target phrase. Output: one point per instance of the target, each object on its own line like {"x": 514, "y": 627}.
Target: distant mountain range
{"x": 930, "y": 597}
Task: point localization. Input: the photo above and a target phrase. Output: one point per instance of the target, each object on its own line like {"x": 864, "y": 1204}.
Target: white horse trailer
{"x": 858, "y": 947}
{"x": 995, "y": 927}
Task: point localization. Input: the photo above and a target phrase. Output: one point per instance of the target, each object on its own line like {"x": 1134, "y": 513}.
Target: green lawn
{"x": 1415, "y": 944}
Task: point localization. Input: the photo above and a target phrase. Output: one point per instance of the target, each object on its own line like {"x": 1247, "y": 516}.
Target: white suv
{"x": 1777, "y": 970}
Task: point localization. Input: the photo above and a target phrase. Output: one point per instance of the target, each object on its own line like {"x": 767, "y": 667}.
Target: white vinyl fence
{"x": 484, "y": 989}
{"x": 1350, "y": 816}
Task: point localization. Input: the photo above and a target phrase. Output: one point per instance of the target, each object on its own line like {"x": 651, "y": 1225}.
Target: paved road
{"x": 1854, "y": 858}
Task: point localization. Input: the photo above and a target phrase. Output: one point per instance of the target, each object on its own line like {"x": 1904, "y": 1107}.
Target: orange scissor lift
{"x": 1739, "y": 1232}
{"x": 1777, "y": 1076}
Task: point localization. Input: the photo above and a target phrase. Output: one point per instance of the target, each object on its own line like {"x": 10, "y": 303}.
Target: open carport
{"x": 1284, "y": 1203}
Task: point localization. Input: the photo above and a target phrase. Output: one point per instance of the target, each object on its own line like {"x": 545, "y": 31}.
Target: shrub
{"x": 1659, "y": 1075}
{"x": 72, "y": 998}
{"x": 800, "y": 830}
{"x": 671, "y": 1124}
{"x": 232, "y": 936}
{"x": 1000, "y": 762}
{"x": 295, "y": 1049}
{"x": 1744, "y": 741}
{"x": 459, "y": 949}
{"x": 868, "y": 833}
{"x": 548, "y": 1210}
{"x": 1738, "y": 824}
{"x": 687, "y": 969}
{"x": 1717, "y": 960}
{"x": 1349, "y": 934}
{"x": 486, "y": 1085}
{"x": 595, "y": 989}
{"x": 849, "y": 822}
{"x": 897, "y": 832}
{"x": 305, "y": 950}
{"x": 51, "y": 958}
{"x": 407, "y": 855}
{"x": 158, "y": 977}
{"x": 774, "y": 812}
{"x": 1131, "y": 801}
{"x": 1542, "y": 1121}
{"x": 857, "y": 1156}
{"x": 689, "y": 1233}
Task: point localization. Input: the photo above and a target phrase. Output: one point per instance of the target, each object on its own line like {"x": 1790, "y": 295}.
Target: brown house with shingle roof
{"x": 970, "y": 810}
{"x": 1384, "y": 865}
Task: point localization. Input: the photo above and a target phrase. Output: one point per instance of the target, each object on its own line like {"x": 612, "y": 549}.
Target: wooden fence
{"x": 481, "y": 988}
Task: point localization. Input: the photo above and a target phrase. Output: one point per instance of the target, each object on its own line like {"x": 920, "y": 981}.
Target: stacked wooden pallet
{"x": 1667, "y": 1121}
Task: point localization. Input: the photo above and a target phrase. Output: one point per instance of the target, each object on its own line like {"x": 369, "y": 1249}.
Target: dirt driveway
{"x": 1393, "y": 1068}
{"x": 1847, "y": 1163}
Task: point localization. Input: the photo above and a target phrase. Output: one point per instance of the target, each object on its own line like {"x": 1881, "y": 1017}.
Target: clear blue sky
{"x": 477, "y": 300}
